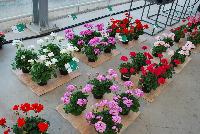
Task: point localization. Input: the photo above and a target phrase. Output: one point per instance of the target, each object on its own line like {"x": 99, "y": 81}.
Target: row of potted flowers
{"x": 106, "y": 115}
{"x": 42, "y": 64}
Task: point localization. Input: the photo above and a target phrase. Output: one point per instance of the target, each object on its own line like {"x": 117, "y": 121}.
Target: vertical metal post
{"x": 156, "y": 21}
{"x": 35, "y": 18}
{"x": 173, "y": 12}
{"x": 169, "y": 14}
{"x": 143, "y": 10}
{"x": 43, "y": 13}
{"x": 129, "y": 13}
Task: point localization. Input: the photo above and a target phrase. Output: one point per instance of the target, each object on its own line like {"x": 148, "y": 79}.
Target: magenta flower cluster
{"x": 69, "y": 34}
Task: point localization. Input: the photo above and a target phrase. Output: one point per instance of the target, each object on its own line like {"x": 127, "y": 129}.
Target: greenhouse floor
{"x": 177, "y": 111}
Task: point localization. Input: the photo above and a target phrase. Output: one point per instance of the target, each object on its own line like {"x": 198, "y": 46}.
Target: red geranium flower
{"x": 183, "y": 20}
{"x": 146, "y": 26}
{"x": 161, "y": 80}
{"x": 160, "y": 56}
{"x": 185, "y": 30}
{"x": 148, "y": 55}
{"x": 189, "y": 24}
{"x": 2, "y": 122}
{"x": 117, "y": 30}
{"x": 26, "y": 107}
{"x": 139, "y": 26}
{"x": 37, "y": 107}
{"x": 132, "y": 70}
{"x": 164, "y": 61}
{"x": 132, "y": 54}
{"x": 15, "y": 107}
{"x": 43, "y": 126}
{"x": 1, "y": 33}
{"x": 124, "y": 58}
{"x": 137, "y": 21}
{"x": 177, "y": 62}
{"x": 144, "y": 47}
{"x": 6, "y": 131}
{"x": 148, "y": 62}
{"x": 21, "y": 122}
{"x": 123, "y": 70}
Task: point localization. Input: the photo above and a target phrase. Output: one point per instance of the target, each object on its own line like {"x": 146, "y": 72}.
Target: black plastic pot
{"x": 25, "y": 70}
{"x": 91, "y": 60}
{"x": 63, "y": 72}
{"x": 125, "y": 77}
{"x": 125, "y": 42}
{"x": 98, "y": 96}
{"x": 76, "y": 113}
{"x": 144, "y": 89}
{"x": 107, "y": 50}
{"x": 176, "y": 39}
{"x": 42, "y": 83}
{"x": 136, "y": 37}
{"x": 1, "y": 45}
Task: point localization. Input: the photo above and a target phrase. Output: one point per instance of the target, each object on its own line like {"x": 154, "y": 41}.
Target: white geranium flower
{"x": 42, "y": 57}
{"x": 40, "y": 41}
{"x": 23, "y": 57}
{"x": 45, "y": 50}
{"x": 31, "y": 61}
{"x": 190, "y": 45}
{"x": 50, "y": 54}
{"x": 48, "y": 63}
{"x": 53, "y": 34}
{"x": 59, "y": 38}
{"x": 67, "y": 66}
{"x": 182, "y": 52}
{"x": 75, "y": 59}
{"x": 54, "y": 60}
{"x": 171, "y": 35}
{"x": 18, "y": 43}
{"x": 166, "y": 45}
{"x": 165, "y": 35}
{"x": 69, "y": 70}
{"x": 63, "y": 51}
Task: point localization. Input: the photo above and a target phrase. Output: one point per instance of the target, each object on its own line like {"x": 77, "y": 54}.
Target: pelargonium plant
{"x": 194, "y": 37}
{"x": 75, "y": 101}
{"x": 126, "y": 68}
{"x": 108, "y": 44}
{"x": 139, "y": 29}
{"x": 165, "y": 69}
{"x": 29, "y": 123}
{"x": 159, "y": 47}
{"x": 2, "y": 39}
{"x": 50, "y": 44}
{"x": 64, "y": 58}
{"x": 179, "y": 32}
{"x": 167, "y": 38}
{"x": 192, "y": 22}
{"x": 105, "y": 117}
{"x": 102, "y": 84}
{"x": 23, "y": 57}
{"x": 91, "y": 31}
{"x": 129, "y": 100}
{"x": 75, "y": 40}
{"x": 180, "y": 54}
{"x": 93, "y": 49}
{"x": 43, "y": 68}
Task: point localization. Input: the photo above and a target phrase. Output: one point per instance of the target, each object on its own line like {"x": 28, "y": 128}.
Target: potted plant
{"x": 24, "y": 57}
{"x": 139, "y": 29}
{"x": 65, "y": 58}
{"x": 108, "y": 43}
{"x": 102, "y": 84}
{"x": 165, "y": 68}
{"x": 105, "y": 117}
{"x": 28, "y": 123}
{"x": 194, "y": 37}
{"x": 75, "y": 101}
{"x": 159, "y": 47}
{"x": 93, "y": 49}
{"x": 126, "y": 69}
{"x": 75, "y": 40}
{"x": 167, "y": 38}
{"x": 2, "y": 39}
{"x": 179, "y": 32}
{"x": 43, "y": 69}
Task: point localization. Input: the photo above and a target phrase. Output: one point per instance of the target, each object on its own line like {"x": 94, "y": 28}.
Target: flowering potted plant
{"x": 75, "y": 40}
{"x": 29, "y": 123}
{"x": 159, "y": 47}
{"x": 75, "y": 101}
{"x": 91, "y": 32}
{"x": 65, "y": 58}
{"x": 194, "y": 37}
{"x": 102, "y": 84}
{"x": 43, "y": 69}
{"x": 126, "y": 69}
{"x": 165, "y": 68}
{"x": 167, "y": 38}
{"x": 139, "y": 29}
{"x": 93, "y": 49}
{"x": 129, "y": 100}
{"x": 192, "y": 22}
{"x": 105, "y": 117}
{"x": 2, "y": 39}
{"x": 23, "y": 57}
{"x": 108, "y": 44}
{"x": 179, "y": 32}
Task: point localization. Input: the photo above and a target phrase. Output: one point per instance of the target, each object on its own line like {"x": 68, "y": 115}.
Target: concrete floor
{"x": 177, "y": 111}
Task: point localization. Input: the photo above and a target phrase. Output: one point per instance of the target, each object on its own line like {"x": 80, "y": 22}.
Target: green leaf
{"x": 110, "y": 8}
{"x": 74, "y": 17}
